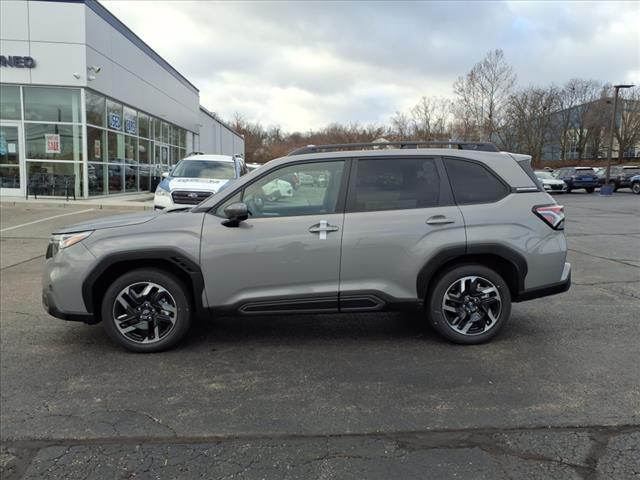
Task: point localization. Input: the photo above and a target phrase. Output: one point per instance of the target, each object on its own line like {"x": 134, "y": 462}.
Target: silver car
{"x": 457, "y": 234}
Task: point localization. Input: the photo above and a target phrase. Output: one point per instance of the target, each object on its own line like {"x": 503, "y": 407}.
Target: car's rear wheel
{"x": 635, "y": 188}
{"x": 590, "y": 189}
{"x": 146, "y": 310}
{"x": 469, "y": 304}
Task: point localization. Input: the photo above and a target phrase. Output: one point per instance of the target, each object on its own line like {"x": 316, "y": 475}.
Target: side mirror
{"x": 235, "y": 213}
{"x": 165, "y": 174}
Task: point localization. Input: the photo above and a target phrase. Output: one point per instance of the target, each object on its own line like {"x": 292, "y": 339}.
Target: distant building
{"x": 587, "y": 132}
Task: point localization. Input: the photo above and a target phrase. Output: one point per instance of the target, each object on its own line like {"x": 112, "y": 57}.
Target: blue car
{"x": 635, "y": 184}
{"x": 578, "y": 177}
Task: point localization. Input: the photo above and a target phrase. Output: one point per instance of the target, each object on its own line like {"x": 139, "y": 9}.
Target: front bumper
{"x": 62, "y": 279}
{"x": 553, "y": 289}
{"x": 48, "y": 302}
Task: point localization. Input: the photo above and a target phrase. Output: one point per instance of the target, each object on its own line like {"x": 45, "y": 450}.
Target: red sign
{"x": 52, "y": 143}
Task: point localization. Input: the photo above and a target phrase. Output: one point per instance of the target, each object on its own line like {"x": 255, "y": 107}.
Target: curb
{"x": 97, "y": 206}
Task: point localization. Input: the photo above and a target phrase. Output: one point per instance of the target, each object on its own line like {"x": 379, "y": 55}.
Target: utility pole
{"x": 612, "y": 129}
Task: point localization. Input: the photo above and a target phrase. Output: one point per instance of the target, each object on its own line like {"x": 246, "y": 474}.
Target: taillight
{"x": 553, "y": 215}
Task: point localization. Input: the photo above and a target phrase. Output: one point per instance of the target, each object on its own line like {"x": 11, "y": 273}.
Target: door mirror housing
{"x": 235, "y": 213}
{"x": 165, "y": 174}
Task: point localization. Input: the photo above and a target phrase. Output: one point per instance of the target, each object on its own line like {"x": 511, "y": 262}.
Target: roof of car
{"x": 218, "y": 158}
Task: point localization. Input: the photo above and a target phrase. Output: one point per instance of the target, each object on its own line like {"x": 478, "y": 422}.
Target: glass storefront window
{"x": 157, "y": 130}
{"x": 9, "y": 177}
{"x": 165, "y": 133}
{"x": 182, "y": 138}
{"x": 10, "y": 102}
{"x": 96, "y": 144}
{"x": 95, "y": 108}
{"x": 114, "y": 178}
{"x": 43, "y": 104}
{"x": 53, "y": 142}
{"x": 143, "y": 125}
{"x": 131, "y": 178}
{"x": 144, "y": 173}
{"x": 130, "y": 149}
{"x": 115, "y": 147}
{"x": 130, "y": 121}
{"x": 98, "y": 178}
{"x": 114, "y": 115}
{"x": 55, "y": 178}
{"x": 143, "y": 151}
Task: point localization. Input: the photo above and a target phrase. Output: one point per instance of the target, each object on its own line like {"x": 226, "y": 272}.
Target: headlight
{"x": 161, "y": 192}
{"x": 65, "y": 240}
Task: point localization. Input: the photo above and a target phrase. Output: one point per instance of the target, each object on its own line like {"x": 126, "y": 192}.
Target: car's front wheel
{"x": 635, "y": 188}
{"x": 590, "y": 189}
{"x": 469, "y": 304}
{"x": 146, "y": 310}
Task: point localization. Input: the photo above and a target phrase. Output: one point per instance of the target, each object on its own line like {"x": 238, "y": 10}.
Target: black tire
{"x": 178, "y": 294}
{"x": 615, "y": 186}
{"x": 590, "y": 189}
{"x": 442, "y": 284}
{"x": 635, "y": 188}
{"x": 568, "y": 189}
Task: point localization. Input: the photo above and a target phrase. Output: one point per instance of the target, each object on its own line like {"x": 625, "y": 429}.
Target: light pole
{"x": 612, "y": 129}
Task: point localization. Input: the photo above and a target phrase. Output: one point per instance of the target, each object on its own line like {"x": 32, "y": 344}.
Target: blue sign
{"x": 114, "y": 121}
{"x": 130, "y": 126}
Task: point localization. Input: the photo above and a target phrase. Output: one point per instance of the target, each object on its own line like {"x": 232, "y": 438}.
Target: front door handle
{"x": 322, "y": 228}
{"x": 439, "y": 220}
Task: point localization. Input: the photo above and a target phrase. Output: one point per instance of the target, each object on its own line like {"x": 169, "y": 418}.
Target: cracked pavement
{"x": 557, "y": 395}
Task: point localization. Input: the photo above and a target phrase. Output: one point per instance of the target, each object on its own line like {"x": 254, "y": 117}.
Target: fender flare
{"x": 173, "y": 255}
{"x": 461, "y": 252}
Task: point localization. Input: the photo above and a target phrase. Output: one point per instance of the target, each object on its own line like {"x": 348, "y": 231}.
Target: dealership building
{"x": 87, "y": 108}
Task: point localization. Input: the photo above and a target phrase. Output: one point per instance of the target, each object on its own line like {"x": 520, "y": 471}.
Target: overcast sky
{"x": 304, "y": 65}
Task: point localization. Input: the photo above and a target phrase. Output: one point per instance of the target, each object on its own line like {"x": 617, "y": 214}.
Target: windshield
{"x": 204, "y": 169}
{"x": 585, "y": 171}
{"x": 543, "y": 175}
{"x": 631, "y": 170}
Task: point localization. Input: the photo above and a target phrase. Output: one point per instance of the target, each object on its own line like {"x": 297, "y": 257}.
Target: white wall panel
{"x": 56, "y": 22}
{"x": 57, "y": 62}
{"x": 14, "y": 21}
{"x": 15, "y": 75}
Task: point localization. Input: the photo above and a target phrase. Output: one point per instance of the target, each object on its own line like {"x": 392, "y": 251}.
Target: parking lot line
{"x": 46, "y": 219}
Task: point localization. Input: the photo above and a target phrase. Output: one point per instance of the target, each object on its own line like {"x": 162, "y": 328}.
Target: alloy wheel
{"x": 144, "y": 312}
{"x": 472, "y": 305}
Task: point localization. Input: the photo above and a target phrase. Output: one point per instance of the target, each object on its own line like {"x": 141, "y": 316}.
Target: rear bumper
{"x": 562, "y": 286}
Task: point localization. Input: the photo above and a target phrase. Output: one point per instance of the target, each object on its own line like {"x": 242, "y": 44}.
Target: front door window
{"x": 10, "y": 164}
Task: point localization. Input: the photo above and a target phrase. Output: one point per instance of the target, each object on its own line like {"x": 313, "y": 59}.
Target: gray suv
{"x": 455, "y": 233}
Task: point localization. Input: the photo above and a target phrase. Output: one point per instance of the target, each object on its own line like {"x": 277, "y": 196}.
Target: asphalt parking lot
{"x": 557, "y": 395}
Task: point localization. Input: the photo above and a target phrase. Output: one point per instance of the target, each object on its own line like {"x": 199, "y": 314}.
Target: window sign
{"x": 52, "y": 143}
{"x": 130, "y": 126}
{"x": 114, "y": 121}
{"x": 97, "y": 149}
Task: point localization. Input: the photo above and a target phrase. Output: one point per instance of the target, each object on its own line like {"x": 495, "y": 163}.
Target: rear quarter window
{"x": 472, "y": 182}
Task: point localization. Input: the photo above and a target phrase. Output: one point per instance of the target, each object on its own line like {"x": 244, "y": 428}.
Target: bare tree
{"x": 431, "y": 119}
{"x": 481, "y": 95}
{"x": 529, "y": 118}
{"x": 577, "y": 104}
{"x": 400, "y": 126}
{"x": 627, "y": 131}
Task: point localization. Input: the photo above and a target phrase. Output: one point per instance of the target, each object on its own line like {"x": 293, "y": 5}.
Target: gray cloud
{"x": 305, "y": 64}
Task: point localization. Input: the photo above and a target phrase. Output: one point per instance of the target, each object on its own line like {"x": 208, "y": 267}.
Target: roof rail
{"x": 480, "y": 146}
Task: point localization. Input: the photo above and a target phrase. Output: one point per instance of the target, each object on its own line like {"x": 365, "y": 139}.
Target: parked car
{"x": 635, "y": 184}
{"x": 577, "y": 178}
{"x": 620, "y": 175}
{"x": 456, "y": 234}
{"x": 306, "y": 179}
{"x": 195, "y": 178}
{"x": 322, "y": 180}
{"x": 550, "y": 183}
{"x": 277, "y": 189}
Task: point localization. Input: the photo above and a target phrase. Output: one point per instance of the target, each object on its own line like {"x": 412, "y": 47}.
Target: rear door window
{"x": 395, "y": 184}
{"x": 474, "y": 183}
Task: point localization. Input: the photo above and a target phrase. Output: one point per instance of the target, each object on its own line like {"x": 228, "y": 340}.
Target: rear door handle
{"x": 439, "y": 220}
